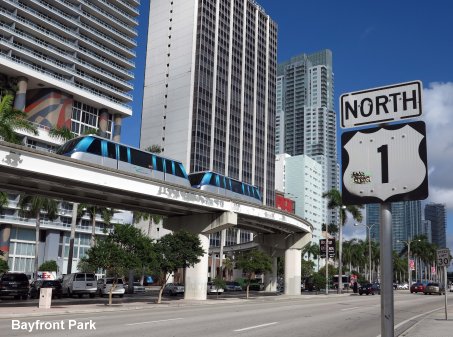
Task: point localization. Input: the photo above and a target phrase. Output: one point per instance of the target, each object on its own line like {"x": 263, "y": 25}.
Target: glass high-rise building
{"x": 308, "y": 120}
{"x": 70, "y": 62}
{"x": 209, "y": 95}
{"x": 436, "y": 214}
{"x": 406, "y": 222}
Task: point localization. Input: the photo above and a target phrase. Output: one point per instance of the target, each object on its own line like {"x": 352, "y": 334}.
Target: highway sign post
{"x": 443, "y": 260}
{"x": 330, "y": 247}
{"x": 384, "y": 164}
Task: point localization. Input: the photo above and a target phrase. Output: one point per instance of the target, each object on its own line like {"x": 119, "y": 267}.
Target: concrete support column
{"x": 117, "y": 128}
{"x": 5, "y": 235}
{"x": 21, "y": 93}
{"x": 270, "y": 278}
{"x": 196, "y": 277}
{"x": 103, "y": 122}
{"x": 293, "y": 265}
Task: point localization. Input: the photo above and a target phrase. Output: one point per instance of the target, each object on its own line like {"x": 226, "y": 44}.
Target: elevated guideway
{"x": 32, "y": 171}
{"x": 24, "y": 169}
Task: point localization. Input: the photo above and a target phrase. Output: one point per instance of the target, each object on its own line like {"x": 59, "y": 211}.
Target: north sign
{"x": 381, "y": 105}
{"x": 385, "y": 164}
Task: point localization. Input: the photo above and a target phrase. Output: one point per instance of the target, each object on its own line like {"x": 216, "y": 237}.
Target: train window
{"x": 178, "y": 170}
{"x": 168, "y": 166}
{"x": 195, "y": 179}
{"x": 159, "y": 164}
{"x": 111, "y": 150}
{"x": 142, "y": 159}
{"x": 247, "y": 190}
{"x": 236, "y": 186}
{"x": 123, "y": 153}
{"x": 213, "y": 181}
{"x": 95, "y": 147}
{"x": 222, "y": 181}
{"x": 228, "y": 183}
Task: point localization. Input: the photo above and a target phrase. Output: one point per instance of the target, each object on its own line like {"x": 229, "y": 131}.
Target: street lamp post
{"x": 369, "y": 246}
{"x": 408, "y": 244}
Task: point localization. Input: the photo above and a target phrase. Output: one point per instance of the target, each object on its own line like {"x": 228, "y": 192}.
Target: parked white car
{"x": 79, "y": 284}
{"x": 105, "y": 284}
{"x": 213, "y": 290}
{"x": 403, "y": 286}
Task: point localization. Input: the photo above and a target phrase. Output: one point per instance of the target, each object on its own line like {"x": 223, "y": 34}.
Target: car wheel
{"x": 92, "y": 295}
{"x": 25, "y": 297}
{"x": 69, "y": 292}
{"x": 80, "y": 295}
{"x": 360, "y": 294}
{"x": 121, "y": 296}
{"x": 59, "y": 296}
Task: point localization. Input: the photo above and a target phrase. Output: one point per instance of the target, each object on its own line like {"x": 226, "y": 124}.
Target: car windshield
{"x": 110, "y": 281}
{"x": 50, "y": 283}
{"x": 432, "y": 285}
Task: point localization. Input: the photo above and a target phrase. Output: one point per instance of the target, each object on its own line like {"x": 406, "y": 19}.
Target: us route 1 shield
{"x": 385, "y": 164}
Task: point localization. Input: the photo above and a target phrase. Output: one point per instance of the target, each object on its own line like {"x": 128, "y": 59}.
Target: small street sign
{"x": 443, "y": 257}
{"x": 322, "y": 248}
{"x": 385, "y": 164}
{"x": 381, "y": 105}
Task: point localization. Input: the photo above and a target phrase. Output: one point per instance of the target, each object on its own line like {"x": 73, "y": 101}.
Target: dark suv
{"x": 370, "y": 289}
{"x": 14, "y": 284}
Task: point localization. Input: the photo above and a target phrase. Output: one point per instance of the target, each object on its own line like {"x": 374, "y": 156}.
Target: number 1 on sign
{"x": 383, "y": 150}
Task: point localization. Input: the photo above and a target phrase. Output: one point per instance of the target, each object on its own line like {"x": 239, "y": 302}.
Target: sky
{"x": 374, "y": 43}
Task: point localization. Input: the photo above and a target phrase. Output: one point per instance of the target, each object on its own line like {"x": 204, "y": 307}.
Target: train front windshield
{"x": 196, "y": 178}
{"x": 68, "y": 146}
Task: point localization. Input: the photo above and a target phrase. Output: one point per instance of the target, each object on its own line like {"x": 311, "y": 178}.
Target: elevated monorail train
{"x": 101, "y": 151}
{"x": 219, "y": 184}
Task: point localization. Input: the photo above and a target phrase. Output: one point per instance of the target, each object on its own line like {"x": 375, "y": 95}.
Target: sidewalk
{"x": 433, "y": 325}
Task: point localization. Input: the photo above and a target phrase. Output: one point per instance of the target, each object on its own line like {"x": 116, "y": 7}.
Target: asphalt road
{"x": 312, "y": 316}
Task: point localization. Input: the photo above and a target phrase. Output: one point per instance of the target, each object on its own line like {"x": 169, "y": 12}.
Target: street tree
{"x": 125, "y": 247}
{"x": 3, "y": 266}
{"x": 253, "y": 262}
{"x": 50, "y": 265}
{"x": 31, "y": 206}
{"x": 219, "y": 283}
{"x": 12, "y": 119}
{"x": 176, "y": 250}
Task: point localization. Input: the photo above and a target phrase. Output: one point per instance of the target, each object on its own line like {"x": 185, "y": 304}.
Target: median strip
{"x": 255, "y": 327}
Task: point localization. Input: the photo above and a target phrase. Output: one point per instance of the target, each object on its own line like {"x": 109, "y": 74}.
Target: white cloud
{"x": 438, "y": 115}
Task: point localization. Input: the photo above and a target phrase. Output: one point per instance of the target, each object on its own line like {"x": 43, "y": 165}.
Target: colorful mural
{"x": 49, "y": 107}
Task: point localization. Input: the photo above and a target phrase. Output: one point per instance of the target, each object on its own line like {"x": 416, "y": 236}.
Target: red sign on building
{"x": 285, "y": 204}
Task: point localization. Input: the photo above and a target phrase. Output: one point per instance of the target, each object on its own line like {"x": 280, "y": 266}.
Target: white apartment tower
{"x": 209, "y": 96}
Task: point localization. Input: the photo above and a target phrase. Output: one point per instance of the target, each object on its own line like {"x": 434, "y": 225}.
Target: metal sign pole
{"x": 445, "y": 288}
{"x": 387, "y": 313}
{"x": 327, "y": 262}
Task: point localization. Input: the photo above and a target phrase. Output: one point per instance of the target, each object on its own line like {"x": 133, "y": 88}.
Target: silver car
{"x": 434, "y": 288}
{"x": 173, "y": 289}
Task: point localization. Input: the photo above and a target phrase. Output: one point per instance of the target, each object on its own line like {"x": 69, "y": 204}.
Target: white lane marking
{"x": 254, "y": 327}
{"x": 353, "y": 308}
{"x": 162, "y": 320}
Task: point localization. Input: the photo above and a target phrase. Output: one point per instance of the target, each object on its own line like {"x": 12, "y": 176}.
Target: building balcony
{"x": 60, "y": 68}
{"x": 90, "y": 7}
{"x": 32, "y": 15}
{"x": 45, "y": 48}
{"x": 122, "y": 9}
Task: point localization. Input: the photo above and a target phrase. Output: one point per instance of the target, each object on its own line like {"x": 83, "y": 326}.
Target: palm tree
{"x": 3, "y": 200}
{"x": 311, "y": 249}
{"x": 12, "y": 119}
{"x": 335, "y": 201}
{"x": 63, "y": 133}
{"x": 31, "y": 206}
{"x": 92, "y": 210}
